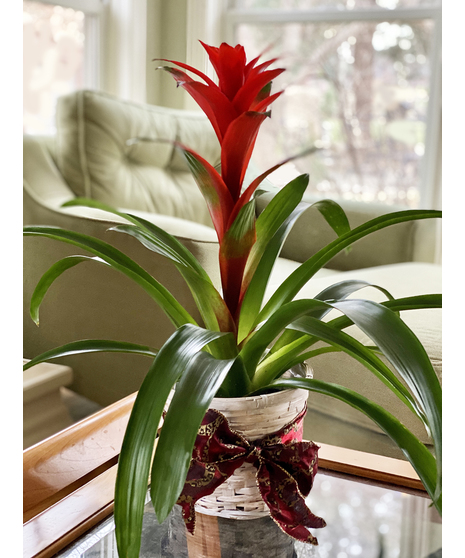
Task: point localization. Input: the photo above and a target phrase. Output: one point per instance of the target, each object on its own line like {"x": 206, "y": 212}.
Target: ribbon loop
{"x": 286, "y": 467}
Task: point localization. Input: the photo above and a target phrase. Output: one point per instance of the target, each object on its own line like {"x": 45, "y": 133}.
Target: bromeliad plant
{"x": 244, "y": 345}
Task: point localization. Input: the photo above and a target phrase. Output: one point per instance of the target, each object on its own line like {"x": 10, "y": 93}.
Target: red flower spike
{"x": 229, "y": 63}
{"x": 236, "y": 109}
{"x": 232, "y": 266}
{"x": 254, "y": 71}
{"x": 214, "y": 104}
{"x": 234, "y": 251}
{"x": 247, "y": 94}
{"x": 237, "y": 149}
{"x": 208, "y": 81}
{"x": 213, "y": 188}
{"x": 266, "y": 102}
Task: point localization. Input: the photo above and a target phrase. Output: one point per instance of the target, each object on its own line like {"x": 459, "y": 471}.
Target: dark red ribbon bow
{"x": 285, "y": 465}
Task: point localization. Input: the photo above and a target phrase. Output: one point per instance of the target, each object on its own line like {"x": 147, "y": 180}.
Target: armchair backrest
{"x": 96, "y": 160}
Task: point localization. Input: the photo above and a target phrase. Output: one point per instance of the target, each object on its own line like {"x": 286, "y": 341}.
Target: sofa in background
{"x": 92, "y": 155}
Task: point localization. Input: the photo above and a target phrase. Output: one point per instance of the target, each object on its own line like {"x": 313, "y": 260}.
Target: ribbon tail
{"x": 287, "y": 507}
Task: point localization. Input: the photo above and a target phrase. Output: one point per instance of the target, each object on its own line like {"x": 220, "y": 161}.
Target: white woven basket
{"x": 239, "y": 497}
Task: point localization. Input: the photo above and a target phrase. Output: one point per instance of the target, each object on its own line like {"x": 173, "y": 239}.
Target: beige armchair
{"x": 89, "y": 156}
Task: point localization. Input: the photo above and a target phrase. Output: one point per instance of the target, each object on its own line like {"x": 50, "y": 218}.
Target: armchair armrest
{"x": 403, "y": 242}
{"x": 42, "y": 181}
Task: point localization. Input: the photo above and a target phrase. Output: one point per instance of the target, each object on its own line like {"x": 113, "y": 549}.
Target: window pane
{"x": 53, "y": 43}
{"x": 333, "y": 4}
{"x": 360, "y": 91}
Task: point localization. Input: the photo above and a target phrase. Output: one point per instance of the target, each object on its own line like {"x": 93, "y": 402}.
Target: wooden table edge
{"x": 53, "y": 528}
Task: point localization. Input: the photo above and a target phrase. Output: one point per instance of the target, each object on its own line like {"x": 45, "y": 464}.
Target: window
{"x": 362, "y": 84}
{"x": 60, "y": 49}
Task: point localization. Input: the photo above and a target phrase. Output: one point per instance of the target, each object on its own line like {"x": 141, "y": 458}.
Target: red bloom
{"x": 236, "y": 108}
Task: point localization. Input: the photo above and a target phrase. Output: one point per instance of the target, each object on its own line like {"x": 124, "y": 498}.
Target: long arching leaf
{"x": 253, "y": 297}
{"x": 257, "y": 343}
{"x": 212, "y": 307}
{"x": 405, "y": 352}
{"x": 49, "y": 277}
{"x": 420, "y": 458}
{"x": 279, "y": 362}
{"x": 137, "y": 449}
{"x": 117, "y": 260}
{"x": 271, "y": 219}
{"x": 92, "y": 346}
{"x": 333, "y": 293}
{"x": 292, "y": 285}
{"x": 162, "y": 242}
{"x": 198, "y": 385}
{"x": 258, "y": 272}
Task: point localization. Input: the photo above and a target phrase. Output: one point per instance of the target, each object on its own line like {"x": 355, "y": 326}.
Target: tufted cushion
{"x": 94, "y": 158}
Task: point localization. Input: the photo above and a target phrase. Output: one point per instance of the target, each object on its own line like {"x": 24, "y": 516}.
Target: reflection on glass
{"x": 359, "y": 91}
{"x": 362, "y": 520}
{"x": 53, "y": 47}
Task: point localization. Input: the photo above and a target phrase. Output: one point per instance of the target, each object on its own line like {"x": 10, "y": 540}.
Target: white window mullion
{"x": 430, "y": 183}
{"x": 92, "y": 51}
{"x": 125, "y": 49}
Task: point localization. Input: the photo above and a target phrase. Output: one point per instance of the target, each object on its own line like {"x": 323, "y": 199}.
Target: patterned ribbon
{"x": 285, "y": 465}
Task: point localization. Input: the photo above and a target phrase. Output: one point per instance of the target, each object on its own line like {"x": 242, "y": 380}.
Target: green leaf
{"x": 292, "y": 285}
{"x": 162, "y": 242}
{"x": 137, "y": 449}
{"x": 276, "y": 364}
{"x": 271, "y": 219}
{"x": 255, "y": 345}
{"x": 333, "y": 293}
{"x": 49, "y": 277}
{"x": 253, "y": 297}
{"x": 92, "y": 346}
{"x": 237, "y": 382}
{"x": 418, "y": 455}
{"x": 405, "y": 352}
{"x": 334, "y": 216}
{"x": 340, "y": 339}
{"x": 212, "y": 308}
{"x": 255, "y": 292}
{"x": 198, "y": 385}
{"x": 122, "y": 263}
{"x": 239, "y": 229}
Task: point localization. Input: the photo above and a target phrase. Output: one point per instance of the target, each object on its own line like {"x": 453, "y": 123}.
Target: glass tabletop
{"x": 362, "y": 520}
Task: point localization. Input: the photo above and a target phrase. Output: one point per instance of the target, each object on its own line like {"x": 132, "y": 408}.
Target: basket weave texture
{"x": 253, "y": 417}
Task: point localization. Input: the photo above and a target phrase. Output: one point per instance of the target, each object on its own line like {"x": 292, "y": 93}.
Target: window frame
{"x": 93, "y": 26}
{"x": 430, "y": 170}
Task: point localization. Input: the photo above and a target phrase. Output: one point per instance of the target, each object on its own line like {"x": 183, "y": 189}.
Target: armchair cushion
{"x": 96, "y": 161}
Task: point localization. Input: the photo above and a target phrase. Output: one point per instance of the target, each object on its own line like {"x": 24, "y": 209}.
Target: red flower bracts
{"x": 236, "y": 108}
{"x": 285, "y": 465}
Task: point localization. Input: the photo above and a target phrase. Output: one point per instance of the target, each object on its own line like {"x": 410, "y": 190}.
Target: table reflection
{"x": 362, "y": 520}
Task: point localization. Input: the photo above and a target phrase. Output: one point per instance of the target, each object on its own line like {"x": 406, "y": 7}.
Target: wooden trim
{"x": 54, "y": 468}
{"x": 69, "y": 478}
{"x": 379, "y": 469}
{"x": 61, "y": 524}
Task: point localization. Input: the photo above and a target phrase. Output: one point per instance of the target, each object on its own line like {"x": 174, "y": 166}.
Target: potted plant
{"x": 244, "y": 348}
